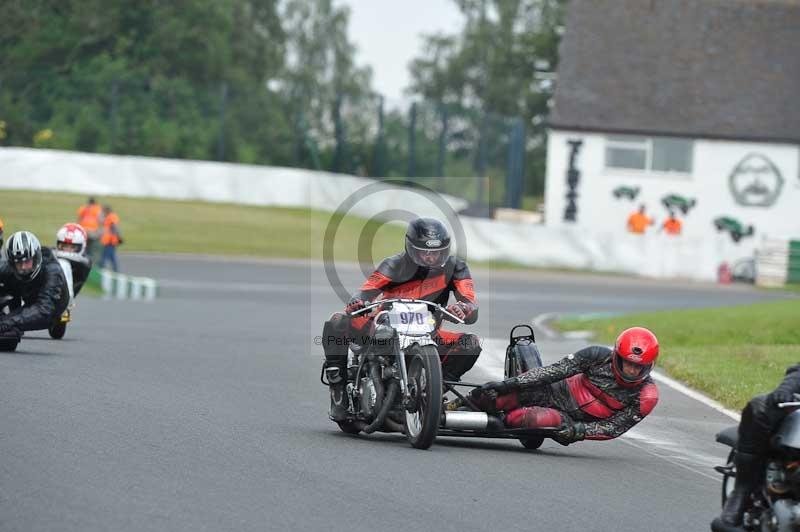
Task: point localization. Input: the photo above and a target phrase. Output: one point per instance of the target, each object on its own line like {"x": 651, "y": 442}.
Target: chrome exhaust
{"x": 466, "y": 420}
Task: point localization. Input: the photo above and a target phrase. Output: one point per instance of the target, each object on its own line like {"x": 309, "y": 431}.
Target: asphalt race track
{"x": 204, "y": 411}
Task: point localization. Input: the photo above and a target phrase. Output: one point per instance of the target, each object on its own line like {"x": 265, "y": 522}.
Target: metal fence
{"x": 421, "y": 142}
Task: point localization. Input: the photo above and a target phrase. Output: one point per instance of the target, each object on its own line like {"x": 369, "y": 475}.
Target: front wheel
{"x": 424, "y": 412}
{"x": 728, "y": 481}
{"x": 57, "y": 330}
{"x": 8, "y": 345}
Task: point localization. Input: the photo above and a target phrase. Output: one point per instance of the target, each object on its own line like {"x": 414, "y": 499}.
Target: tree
{"x": 330, "y": 96}
{"x": 499, "y": 65}
{"x": 176, "y": 79}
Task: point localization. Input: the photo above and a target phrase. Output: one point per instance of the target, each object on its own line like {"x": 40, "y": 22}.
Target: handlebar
{"x": 381, "y": 302}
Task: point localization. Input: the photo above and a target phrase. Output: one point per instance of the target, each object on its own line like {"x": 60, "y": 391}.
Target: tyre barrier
{"x": 121, "y": 286}
{"x": 778, "y": 262}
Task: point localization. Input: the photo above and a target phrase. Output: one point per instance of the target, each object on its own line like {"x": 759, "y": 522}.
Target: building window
{"x": 658, "y": 154}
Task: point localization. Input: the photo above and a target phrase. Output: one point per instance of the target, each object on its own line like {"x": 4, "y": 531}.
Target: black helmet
{"x": 427, "y": 243}
{"x": 24, "y": 252}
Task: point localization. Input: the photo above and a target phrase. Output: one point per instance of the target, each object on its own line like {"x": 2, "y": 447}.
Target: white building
{"x": 677, "y": 104}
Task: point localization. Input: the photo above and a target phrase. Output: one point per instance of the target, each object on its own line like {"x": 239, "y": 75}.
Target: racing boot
{"x": 336, "y": 384}
{"x": 749, "y": 468}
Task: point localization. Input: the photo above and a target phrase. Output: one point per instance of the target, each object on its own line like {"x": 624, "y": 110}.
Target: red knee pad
{"x": 533, "y": 417}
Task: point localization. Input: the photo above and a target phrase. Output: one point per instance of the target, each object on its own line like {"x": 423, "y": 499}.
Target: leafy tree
{"x": 495, "y": 66}
{"x": 151, "y": 77}
{"x": 330, "y": 97}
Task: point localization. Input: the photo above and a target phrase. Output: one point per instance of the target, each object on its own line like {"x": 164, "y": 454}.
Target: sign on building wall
{"x": 756, "y": 181}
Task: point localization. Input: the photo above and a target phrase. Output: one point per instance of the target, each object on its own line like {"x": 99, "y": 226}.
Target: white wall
{"x": 97, "y": 174}
{"x": 604, "y": 217}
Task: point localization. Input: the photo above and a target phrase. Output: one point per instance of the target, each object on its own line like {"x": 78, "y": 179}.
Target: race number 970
{"x": 409, "y": 318}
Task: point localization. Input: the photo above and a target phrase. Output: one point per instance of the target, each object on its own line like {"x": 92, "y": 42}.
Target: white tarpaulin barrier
{"x": 653, "y": 255}
{"x": 97, "y": 174}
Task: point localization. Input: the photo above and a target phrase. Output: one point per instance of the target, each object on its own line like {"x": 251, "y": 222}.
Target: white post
{"x": 122, "y": 286}
{"x": 149, "y": 289}
{"x": 136, "y": 288}
{"x": 106, "y": 283}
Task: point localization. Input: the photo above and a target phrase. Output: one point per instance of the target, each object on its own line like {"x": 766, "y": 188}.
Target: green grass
{"x": 729, "y": 353}
{"x": 199, "y": 227}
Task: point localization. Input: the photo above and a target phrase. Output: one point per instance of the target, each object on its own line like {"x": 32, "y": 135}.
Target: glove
{"x": 570, "y": 432}
{"x": 458, "y": 309}
{"x": 781, "y": 395}
{"x": 495, "y": 388}
{"x": 354, "y": 305}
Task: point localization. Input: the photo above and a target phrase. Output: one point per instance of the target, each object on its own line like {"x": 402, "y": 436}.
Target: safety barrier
{"x": 121, "y": 286}
{"x": 778, "y": 262}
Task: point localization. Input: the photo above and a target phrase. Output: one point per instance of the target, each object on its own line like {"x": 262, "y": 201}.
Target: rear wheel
{"x": 57, "y": 330}
{"x": 533, "y": 442}
{"x": 422, "y": 416}
{"x": 348, "y": 427}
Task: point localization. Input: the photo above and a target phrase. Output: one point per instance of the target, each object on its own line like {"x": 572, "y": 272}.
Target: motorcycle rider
{"x": 425, "y": 270}
{"x": 71, "y": 245}
{"x": 760, "y": 419}
{"x": 596, "y": 393}
{"x": 33, "y": 277}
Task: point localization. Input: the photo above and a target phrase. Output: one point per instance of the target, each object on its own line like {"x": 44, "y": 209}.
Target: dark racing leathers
{"x": 399, "y": 277}
{"x": 43, "y": 298}
{"x": 580, "y": 387}
{"x": 761, "y": 417}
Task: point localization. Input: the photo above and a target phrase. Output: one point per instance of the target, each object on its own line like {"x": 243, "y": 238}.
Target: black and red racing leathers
{"x": 580, "y": 387}
{"x": 398, "y": 277}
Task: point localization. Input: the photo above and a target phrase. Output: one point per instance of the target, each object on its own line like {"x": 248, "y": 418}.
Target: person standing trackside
{"x": 89, "y": 217}
{"x": 639, "y": 221}
{"x": 672, "y": 226}
{"x": 111, "y": 238}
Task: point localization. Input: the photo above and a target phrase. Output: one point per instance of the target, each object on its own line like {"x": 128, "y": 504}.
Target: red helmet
{"x": 634, "y": 355}
{"x": 71, "y": 241}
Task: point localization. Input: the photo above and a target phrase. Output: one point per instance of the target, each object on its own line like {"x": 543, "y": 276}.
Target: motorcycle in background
{"x": 775, "y": 507}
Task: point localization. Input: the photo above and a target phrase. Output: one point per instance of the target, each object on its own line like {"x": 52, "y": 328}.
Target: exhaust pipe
{"x": 466, "y": 420}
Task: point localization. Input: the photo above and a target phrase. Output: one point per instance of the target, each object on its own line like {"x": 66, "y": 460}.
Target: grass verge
{"x": 730, "y": 353}
{"x": 201, "y": 227}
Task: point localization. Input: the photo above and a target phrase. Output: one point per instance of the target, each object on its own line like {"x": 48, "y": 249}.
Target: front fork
{"x": 401, "y": 361}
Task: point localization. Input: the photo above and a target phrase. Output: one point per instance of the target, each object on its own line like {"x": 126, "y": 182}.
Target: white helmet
{"x": 71, "y": 242}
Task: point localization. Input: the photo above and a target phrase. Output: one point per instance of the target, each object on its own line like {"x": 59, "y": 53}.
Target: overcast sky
{"x": 387, "y": 34}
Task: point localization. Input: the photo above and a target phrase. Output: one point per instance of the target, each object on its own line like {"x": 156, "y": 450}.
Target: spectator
{"x": 111, "y": 237}
{"x": 90, "y": 217}
{"x": 638, "y": 221}
{"x": 672, "y": 226}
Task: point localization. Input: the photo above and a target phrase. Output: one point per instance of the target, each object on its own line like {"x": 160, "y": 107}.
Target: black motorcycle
{"x": 394, "y": 380}
{"x": 776, "y": 506}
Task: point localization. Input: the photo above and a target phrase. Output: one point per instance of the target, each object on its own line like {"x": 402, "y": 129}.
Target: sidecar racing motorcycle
{"x": 394, "y": 381}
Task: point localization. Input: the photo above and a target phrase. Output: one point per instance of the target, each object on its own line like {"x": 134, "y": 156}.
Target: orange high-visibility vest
{"x": 89, "y": 217}
{"x": 638, "y": 222}
{"x": 109, "y": 238}
{"x": 672, "y": 226}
